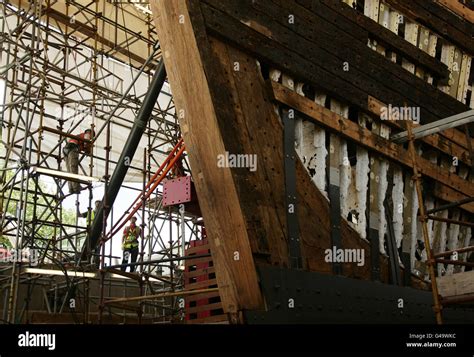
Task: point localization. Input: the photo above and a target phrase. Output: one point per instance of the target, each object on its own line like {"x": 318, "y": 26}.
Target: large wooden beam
{"x": 219, "y": 201}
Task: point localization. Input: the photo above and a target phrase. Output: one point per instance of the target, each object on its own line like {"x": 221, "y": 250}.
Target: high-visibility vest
{"x": 90, "y": 216}
{"x": 130, "y": 237}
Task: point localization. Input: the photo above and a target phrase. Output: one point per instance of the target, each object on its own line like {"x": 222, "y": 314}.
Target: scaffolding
{"x": 66, "y": 66}
{"x": 432, "y": 260}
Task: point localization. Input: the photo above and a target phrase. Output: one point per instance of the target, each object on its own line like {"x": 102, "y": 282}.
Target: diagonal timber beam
{"x": 187, "y": 55}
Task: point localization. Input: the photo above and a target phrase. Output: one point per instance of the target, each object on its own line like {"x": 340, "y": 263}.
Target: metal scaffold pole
{"x": 58, "y": 62}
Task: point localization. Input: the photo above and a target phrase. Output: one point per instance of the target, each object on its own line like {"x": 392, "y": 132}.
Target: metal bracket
{"x": 288, "y": 116}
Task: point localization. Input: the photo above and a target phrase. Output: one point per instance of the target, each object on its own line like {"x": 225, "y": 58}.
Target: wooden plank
{"x": 450, "y": 195}
{"x": 199, "y": 272}
{"x": 194, "y": 261}
{"x": 363, "y": 137}
{"x": 183, "y": 42}
{"x": 463, "y": 11}
{"x": 202, "y": 296}
{"x": 456, "y": 284}
{"x": 201, "y": 308}
{"x": 390, "y": 38}
{"x": 264, "y": 210}
{"x": 199, "y": 249}
{"x": 324, "y": 55}
{"x": 201, "y": 284}
{"x": 259, "y": 45}
{"x": 431, "y": 14}
{"x": 354, "y": 46}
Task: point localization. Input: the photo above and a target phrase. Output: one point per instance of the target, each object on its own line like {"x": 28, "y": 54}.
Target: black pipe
{"x": 126, "y": 156}
{"x": 450, "y": 205}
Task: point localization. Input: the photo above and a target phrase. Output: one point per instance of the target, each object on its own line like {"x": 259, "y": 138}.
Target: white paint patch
{"x": 415, "y": 231}
{"x": 362, "y": 181}
{"x": 344, "y": 179}
{"x": 397, "y": 197}
{"x": 383, "y": 183}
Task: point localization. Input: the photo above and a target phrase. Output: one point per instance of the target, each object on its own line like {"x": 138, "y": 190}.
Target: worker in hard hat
{"x": 131, "y": 234}
{"x": 82, "y": 143}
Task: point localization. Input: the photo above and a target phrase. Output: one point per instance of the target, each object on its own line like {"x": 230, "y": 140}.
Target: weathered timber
{"x": 390, "y": 39}
{"x": 456, "y": 6}
{"x": 365, "y": 138}
{"x": 438, "y": 141}
{"x": 456, "y": 284}
{"x": 319, "y": 61}
{"x": 440, "y": 20}
{"x": 237, "y": 279}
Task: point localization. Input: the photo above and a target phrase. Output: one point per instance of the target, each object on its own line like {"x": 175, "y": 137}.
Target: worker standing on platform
{"x": 130, "y": 244}
{"x": 71, "y": 152}
{"x": 90, "y": 214}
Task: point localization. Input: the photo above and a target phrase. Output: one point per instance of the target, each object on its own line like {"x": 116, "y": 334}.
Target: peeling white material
{"x": 321, "y": 152}
{"x": 299, "y": 88}
{"x": 397, "y": 198}
{"x": 382, "y": 188}
{"x": 415, "y": 231}
{"x": 362, "y": 183}
{"x": 275, "y": 75}
{"x": 288, "y": 82}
